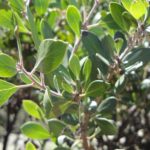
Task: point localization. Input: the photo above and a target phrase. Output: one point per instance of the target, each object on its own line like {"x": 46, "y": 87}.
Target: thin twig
{"x": 34, "y": 82}
{"x": 134, "y": 40}
{"x": 76, "y": 45}
{"x": 96, "y": 2}
{"x": 25, "y": 86}
{"x": 42, "y": 79}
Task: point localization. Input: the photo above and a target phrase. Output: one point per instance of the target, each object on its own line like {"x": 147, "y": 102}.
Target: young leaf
{"x": 50, "y": 55}
{"x": 74, "y": 19}
{"x": 96, "y": 88}
{"x": 107, "y": 126}
{"x": 7, "y": 66}
{"x": 74, "y": 65}
{"x": 107, "y": 106}
{"x": 30, "y": 146}
{"x": 33, "y": 28}
{"x": 47, "y": 103}
{"x": 6, "y": 91}
{"x": 137, "y": 8}
{"x": 6, "y": 19}
{"x": 32, "y": 109}
{"x": 35, "y": 130}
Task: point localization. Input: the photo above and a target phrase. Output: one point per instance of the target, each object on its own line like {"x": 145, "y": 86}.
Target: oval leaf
{"x": 116, "y": 11}
{"x": 35, "y": 131}
{"x": 74, "y": 19}
{"x": 32, "y": 108}
{"x": 6, "y": 91}
{"x": 107, "y": 126}
{"x": 107, "y": 106}
{"x": 96, "y": 88}
{"x": 50, "y": 55}
{"x": 7, "y": 66}
{"x": 74, "y": 65}
{"x": 87, "y": 69}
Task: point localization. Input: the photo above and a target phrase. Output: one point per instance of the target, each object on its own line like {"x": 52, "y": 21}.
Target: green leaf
{"x": 132, "y": 22}
{"x": 96, "y": 88}
{"x": 107, "y": 126}
{"x": 46, "y": 30}
{"x": 67, "y": 95}
{"x": 6, "y": 19}
{"x": 30, "y": 146}
{"x": 35, "y": 130}
{"x": 50, "y": 55}
{"x": 41, "y": 6}
{"x": 119, "y": 36}
{"x": 33, "y": 28}
{"x": 56, "y": 127}
{"x": 120, "y": 84}
{"x": 17, "y": 5}
{"x": 104, "y": 47}
{"x": 74, "y": 19}
{"x": 108, "y": 48}
{"x": 52, "y": 17}
{"x": 137, "y": 55}
{"x": 32, "y": 108}
{"x": 55, "y": 82}
{"x": 107, "y": 106}
{"x": 87, "y": 69}
{"x": 109, "y": 21}
{"x": 47, "y": 103}
{"x": 24, "y": 78}
{"x": 7, "y": 66}
{"x": 67, "y": 87}
{"x": 6, "y": 91}
{"x": 74, "y": 65}
{"x": 116, "y": 11}
{"x": 137, "y": 8}
{"x": 20, "y": 23}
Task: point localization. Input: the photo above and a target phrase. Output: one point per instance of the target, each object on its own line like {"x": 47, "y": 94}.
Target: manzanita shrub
{"x": 84, "y": 54}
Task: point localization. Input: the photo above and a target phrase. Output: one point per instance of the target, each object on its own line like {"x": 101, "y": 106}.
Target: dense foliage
{"x": 77, "y": 68}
